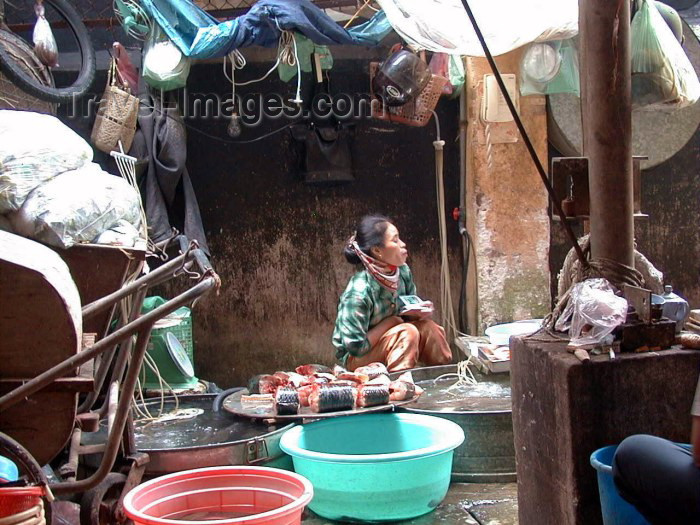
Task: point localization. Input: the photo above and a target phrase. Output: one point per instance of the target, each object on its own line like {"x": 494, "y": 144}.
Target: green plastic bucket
{"x": 375, "y": 467}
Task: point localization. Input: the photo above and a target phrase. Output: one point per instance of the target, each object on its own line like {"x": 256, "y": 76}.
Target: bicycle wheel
{"x": 27, "y": 82}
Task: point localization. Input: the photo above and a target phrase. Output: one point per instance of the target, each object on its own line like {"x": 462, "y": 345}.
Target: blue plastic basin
{"x": 375, "y": 467}
{"x": 616, "y": 511}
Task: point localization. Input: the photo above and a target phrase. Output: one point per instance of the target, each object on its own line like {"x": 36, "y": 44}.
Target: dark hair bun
{"x": 350, "y": 255}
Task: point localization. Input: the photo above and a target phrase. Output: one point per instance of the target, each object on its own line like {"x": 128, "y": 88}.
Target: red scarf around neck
{"x": 386, "y": 274}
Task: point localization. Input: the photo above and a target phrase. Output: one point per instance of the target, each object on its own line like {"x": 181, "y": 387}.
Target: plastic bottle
{"x": 675, "y": 308}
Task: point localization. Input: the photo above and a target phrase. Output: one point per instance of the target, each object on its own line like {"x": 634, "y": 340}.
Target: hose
{"x": 219, "y": 399}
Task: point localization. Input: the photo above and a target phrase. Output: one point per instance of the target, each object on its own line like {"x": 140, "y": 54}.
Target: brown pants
{"x": 407, "y": 344}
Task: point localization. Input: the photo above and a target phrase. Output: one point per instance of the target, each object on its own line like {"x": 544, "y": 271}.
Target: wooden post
{"x": 607, "y": 125}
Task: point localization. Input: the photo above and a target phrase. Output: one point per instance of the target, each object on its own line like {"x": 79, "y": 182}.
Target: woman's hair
{"x": 370, "y": 233}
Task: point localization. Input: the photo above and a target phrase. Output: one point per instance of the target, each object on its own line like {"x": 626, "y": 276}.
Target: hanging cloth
{"x": 166, "y": 185}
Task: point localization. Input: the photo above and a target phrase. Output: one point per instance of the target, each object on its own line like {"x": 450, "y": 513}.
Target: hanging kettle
{"x": 400, "y": 78}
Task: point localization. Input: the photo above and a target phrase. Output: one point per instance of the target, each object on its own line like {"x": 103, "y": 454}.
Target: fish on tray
{"x": 290, "y": 378}
{"x": 329, "y": 398}
{"x": 286, "y": 401}
{"x": 264, "y": 384}
{"x": 404, "y": 388}
{"x": 343, "y": 374}
{"x": 372, "y": 395}
{"x": 304, "y": 393}
{"x": 309, "y": 370}
{"x": 372, "y": 370}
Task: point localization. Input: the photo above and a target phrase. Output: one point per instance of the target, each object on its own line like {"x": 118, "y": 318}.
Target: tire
{"x": 86, "y": 76}
{"x": 28, "y": 468}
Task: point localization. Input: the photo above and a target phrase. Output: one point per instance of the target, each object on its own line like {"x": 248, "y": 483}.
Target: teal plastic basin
{"x": 375, "y": 467}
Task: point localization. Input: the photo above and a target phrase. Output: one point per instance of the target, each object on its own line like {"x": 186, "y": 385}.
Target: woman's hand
{"x": 378, "y": 330}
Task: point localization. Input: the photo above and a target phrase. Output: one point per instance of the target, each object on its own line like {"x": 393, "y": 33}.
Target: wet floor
{"x": 465, "y": 504}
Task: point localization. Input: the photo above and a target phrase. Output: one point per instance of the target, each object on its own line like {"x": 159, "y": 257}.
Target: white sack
{"x": 34, "y": 148}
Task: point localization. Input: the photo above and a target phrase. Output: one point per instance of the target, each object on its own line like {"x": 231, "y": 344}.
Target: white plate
{"x": 500, "y": 334}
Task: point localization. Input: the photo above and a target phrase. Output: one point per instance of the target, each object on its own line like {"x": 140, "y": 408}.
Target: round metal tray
{"x": 233, "y": 405}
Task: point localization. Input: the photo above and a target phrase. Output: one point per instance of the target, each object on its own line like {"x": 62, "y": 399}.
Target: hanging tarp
{"x": 198, "y": 35}
{"x": 443, "y": 26}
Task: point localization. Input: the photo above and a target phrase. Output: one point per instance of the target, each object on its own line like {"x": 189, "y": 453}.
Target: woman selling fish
{"x": 369, "y": 327}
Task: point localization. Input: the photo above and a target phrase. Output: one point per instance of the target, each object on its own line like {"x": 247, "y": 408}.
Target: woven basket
{"x": 116, "y": 117}
{"x": 414, "y": 113}
{"x": 11, "y": 96}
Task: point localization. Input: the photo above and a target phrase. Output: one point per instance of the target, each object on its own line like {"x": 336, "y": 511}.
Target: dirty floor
{"x": 465, "y": 504}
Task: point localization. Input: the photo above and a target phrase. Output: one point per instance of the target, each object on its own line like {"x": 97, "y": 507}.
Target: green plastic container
{"x": 171, "y": 347}
{"x": 375, "y": 467}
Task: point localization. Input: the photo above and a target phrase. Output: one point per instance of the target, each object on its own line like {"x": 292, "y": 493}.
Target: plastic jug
{"x": 675, "y": 308}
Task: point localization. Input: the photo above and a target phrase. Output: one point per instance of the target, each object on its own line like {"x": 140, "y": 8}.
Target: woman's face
{"x": 394, "y": 250}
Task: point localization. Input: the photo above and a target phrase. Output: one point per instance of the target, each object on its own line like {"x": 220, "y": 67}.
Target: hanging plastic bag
{"x": 456, "y": 75}
{"x": 440, "y": 65}
{"x": 592, "y": 313}
{"x": 662, "y": 75}
{"x": 164, "y": 66}
{"x": 44, "y": 42}
{"x": 547, "y": 68}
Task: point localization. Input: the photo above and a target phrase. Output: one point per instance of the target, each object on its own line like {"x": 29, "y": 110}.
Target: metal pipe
{"x": 149, "y": 279}
{"x": 69, "y": 365}
{"x": 112, "y": 404}
{"x": 606, "y": 104}
{"x": 526, "y": 139}
{"x": 114, "y": 439}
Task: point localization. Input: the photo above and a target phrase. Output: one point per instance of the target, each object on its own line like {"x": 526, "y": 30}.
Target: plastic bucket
{"x": 616, "y": 511}
{"x": 21, "y": 504}
{"x": 375, "y": 467}
{"x": 220, "y": 496}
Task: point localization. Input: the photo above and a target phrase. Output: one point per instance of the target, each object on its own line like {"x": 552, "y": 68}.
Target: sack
{"x": 662, "y": 75}
{"x": 57, "y": 214}
{"x": 34, "y": 148}
{"x": 164, "y": 66}
{"x": 116, "y": 117}
{"x": 126, "y": 72}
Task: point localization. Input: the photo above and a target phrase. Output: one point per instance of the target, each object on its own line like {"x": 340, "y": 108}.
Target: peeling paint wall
{"x": 507, "y": 206}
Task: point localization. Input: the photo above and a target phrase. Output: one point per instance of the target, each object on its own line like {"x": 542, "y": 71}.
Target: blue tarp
{"x": 199, "y": 35}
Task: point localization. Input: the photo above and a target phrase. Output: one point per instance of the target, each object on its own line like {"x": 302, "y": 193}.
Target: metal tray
{"x": 233, "y": 405}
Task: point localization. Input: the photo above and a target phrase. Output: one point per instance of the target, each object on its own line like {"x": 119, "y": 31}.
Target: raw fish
{"x": 372, "y": 370}
{"x": 380, "y": 380}
{"x": 304, "y": 392}
{"x": 287, "y": 400}
{"x": 308, "y": 370}
{"x": 401, "y": 390}
{"x": 329, "y": 398}
{"x": 264, "y": 384}
{"x": 372, "y": 395}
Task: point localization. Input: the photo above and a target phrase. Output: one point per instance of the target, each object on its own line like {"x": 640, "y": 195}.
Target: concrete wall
{"x": 507, "y": 206}
{"x": 277, "y": 243}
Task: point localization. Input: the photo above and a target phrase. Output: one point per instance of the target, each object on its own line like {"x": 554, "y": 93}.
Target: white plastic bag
{"x": 164, "y": 65}
{"x": 592, "y": 313}
{"x": 34, "y": 148}
{"x": 44, "y": 43}
{"x": 443, "y": 25}
{"x": 662, "y": 74}
{"x": 77, "y": 206}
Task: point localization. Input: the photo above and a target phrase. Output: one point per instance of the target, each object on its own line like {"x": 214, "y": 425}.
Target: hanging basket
{"x": 414, "y": 113}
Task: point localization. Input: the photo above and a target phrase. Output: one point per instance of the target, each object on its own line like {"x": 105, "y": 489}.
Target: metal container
{"x": 233, "y": 440}
{"x": 260, "y": 449}
{"x": 487, "y": 454}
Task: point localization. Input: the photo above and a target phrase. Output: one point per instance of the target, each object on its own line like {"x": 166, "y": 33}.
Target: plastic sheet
{"x": 443, "y": 25}
{"x": 58, "y": 215}
{"x": 33, "y": 149}
{"x": 592, "y": 313}
{"x": 662, "y": 74}
{"x": 199, "y": 35}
